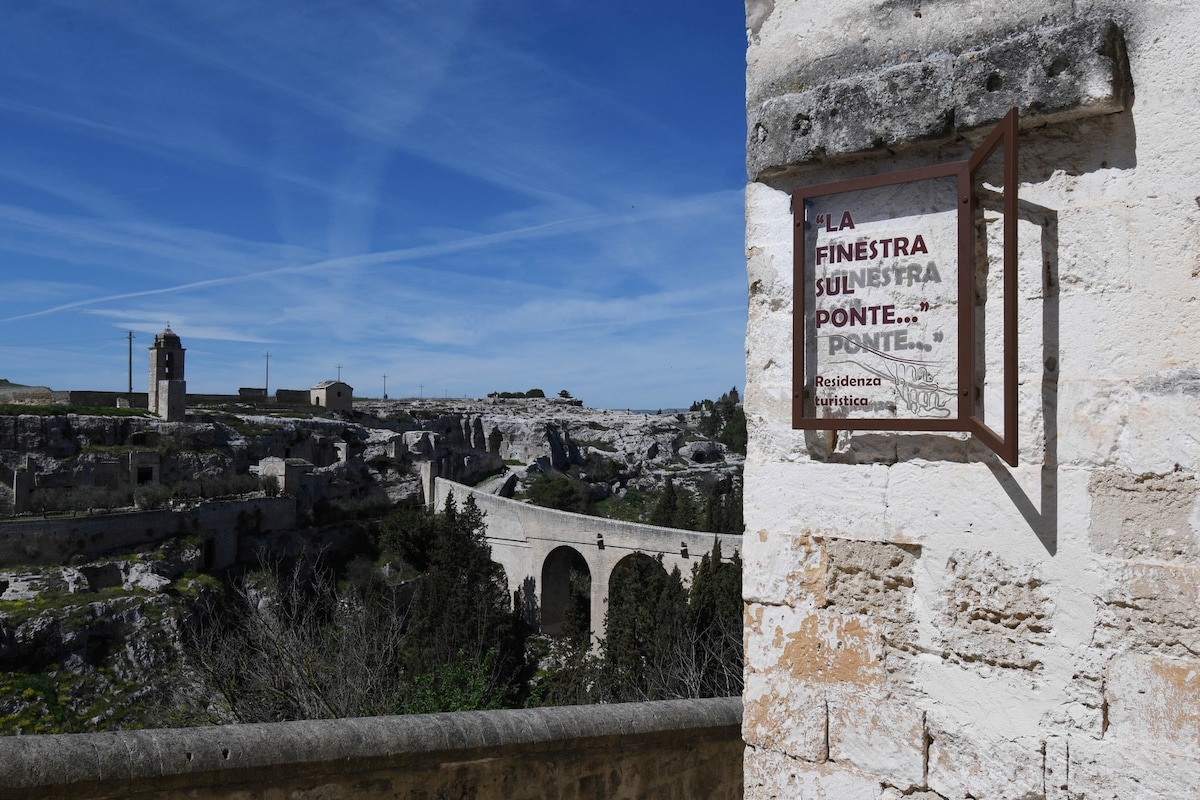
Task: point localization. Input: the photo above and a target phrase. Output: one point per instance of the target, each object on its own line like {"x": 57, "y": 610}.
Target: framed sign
{"x": 890, "y": 278}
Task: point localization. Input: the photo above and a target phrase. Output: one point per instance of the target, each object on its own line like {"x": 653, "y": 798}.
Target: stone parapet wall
{"x": 922, "y": 619}
{"x": 679, "y": 749}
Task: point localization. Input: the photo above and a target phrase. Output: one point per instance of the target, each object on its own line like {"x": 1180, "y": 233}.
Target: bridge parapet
{"x": 670, "y": 749}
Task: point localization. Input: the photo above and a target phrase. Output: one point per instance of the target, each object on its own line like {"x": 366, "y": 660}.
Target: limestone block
{"x": 1050, "y": 73}
{"x": 927, "y": 500}
{"x": 1115, "y": 347}
{"x": 783, "y": 568}
{"x": 873, "y": 579}
{"x": 769, "y": 218}
{"x": 1155, "y": 698}
{"x": 964, "y": 761}
{"x": 770, "y": 775}
{"x": 1154, "y": 440}
{"x": 768, "y": 410}
{"x": 813, "y": 647}
{"x": 143, "y": 576}
{"x": 845, "y": 499}
{"x": 1093, "y": 250}
{"x": 835, "y": 648}
{"x": 879, "y": 734}
{"x": 1150, "y": 605}
{"x": 1112, "y": 768}
{"x": 1092, "y": 415}
{"x": 1152, "y": 517}
{"x": 996, "y": 612}
{"x": 785, "y": 717}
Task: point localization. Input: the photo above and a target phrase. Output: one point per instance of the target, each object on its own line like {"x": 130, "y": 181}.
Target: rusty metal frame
{"x": 1005, "y": 134}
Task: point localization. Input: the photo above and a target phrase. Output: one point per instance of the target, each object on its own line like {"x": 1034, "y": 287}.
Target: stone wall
{"x": 30, "y": 542}
{"x": 108, "y": 399}
{"x": 922, "y": 619}
{"x": 679, "y": 749}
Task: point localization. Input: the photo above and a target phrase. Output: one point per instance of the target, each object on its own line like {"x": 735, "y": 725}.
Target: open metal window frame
{"x": 1002, "y": 139}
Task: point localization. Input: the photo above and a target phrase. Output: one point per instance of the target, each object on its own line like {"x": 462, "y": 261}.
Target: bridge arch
{"x": 634, "y": 562}
{"x": 566, "y": 589}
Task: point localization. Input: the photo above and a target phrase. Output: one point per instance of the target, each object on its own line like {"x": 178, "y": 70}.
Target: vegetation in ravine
{"x": 660, "y": 640}
{"x": 429, "y": 626}
{"x": 431, "y": 630}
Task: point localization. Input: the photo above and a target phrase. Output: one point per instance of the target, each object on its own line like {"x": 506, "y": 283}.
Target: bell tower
{"x": 168, "y": 390}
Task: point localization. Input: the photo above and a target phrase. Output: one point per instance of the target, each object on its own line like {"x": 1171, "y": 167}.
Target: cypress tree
{"x": 461, "y": 615}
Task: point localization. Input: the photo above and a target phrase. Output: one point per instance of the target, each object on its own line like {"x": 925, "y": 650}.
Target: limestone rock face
{"x": 464, "y": 440}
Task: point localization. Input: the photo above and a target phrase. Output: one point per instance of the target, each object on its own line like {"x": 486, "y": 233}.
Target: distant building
{"x": 333, "y": 395}
{"x": 168, "y": 390}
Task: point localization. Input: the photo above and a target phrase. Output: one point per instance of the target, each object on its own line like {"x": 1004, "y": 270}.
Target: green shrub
{"x": 151, "y": 496}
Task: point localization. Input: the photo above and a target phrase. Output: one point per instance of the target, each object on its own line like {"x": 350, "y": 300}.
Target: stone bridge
{"x": 539, "y": 547}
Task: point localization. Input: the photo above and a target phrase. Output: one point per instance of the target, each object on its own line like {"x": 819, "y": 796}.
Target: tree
{"x": 734, "y": 435}
{"x": 663, "y": 641}
{"x": 723, "y": 511}
{"x": 665, "y": 509}
{"x": 675, "y": 509}
{"x": 287, "y": 645}
{"x": 715, "y": 622}
{"x": 293, "y": 643}
{"x": 461, "y": 612}
{"x": 570, "y": 668}
{"x": 560, "y": 492}
{"x": 644, "y": 631}
{"x": 408, "y": 534}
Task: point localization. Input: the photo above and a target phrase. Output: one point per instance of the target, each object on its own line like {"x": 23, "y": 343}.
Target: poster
{"x": 881, "y": 291}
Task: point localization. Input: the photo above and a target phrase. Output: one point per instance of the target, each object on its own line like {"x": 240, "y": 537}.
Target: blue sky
{"x": 464, "y": 196}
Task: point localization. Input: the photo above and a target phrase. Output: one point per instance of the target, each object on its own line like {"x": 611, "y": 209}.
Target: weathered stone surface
{"x": 1049, "y": 74}
{"x": 1145, "y": 516}
{"x": 1155, "y": 698}
{"x": 969, "y": 762}
{"x": 1118, "y": 768}
{"x": 796, "y": 575}
{"x": 879, "y": 734}
{"x": 832, "y": 648}
{"x": 873, "y": 579}
{"x": 1152, "y": 607}
{"x": 785, "y": 716}
{"x": 772, "y": 774}
{"x": 996, "y": 613}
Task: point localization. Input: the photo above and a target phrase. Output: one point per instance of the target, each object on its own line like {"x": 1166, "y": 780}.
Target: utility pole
{"x": 267, "y": 376}
{"x": 422, "y": 388}
{"x": 385, "y": 387}
{"x": 130, "y": 337}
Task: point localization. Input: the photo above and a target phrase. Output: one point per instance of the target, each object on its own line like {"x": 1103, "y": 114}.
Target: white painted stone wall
{"x": 923, "y": 620}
